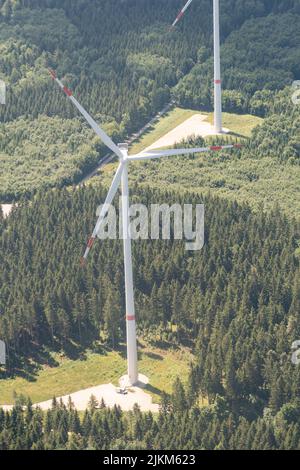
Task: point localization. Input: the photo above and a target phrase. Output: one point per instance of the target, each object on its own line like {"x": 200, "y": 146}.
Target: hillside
{"x": 234, "y": 303}
{"x": 224, "y": 318}
{"x": 124, "y": 68}
{"x": 264, "y": 174}
{"x": 258, "y": 59}
{"x": 47, "y": 299}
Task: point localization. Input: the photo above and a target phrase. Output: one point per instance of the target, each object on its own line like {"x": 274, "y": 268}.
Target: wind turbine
{"x": 217, "y": 63}
{"x": 121, "y": 177}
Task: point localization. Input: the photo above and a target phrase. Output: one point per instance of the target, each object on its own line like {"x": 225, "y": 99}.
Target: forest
{"x": 236, "y": 303}
{"x": 264, "y": 173}
{"x": 254, "y": 66}
{"x": 123, "y": 69}
{"x": 214, "y": 428}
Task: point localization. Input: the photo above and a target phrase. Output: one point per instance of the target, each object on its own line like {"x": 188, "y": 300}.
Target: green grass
{"x": 238, "y": 124}
{"x": 161, "y": 366}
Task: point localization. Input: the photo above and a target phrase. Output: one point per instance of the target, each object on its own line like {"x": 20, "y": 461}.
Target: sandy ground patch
{"x": 6, "y": 209}
{"x": 196, "y": 125}
{"x": 110, "y": 396}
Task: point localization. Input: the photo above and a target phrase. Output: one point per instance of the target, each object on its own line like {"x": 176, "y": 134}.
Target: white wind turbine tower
{"x": 121, "y": 177}
{"x": 217, "y": 63}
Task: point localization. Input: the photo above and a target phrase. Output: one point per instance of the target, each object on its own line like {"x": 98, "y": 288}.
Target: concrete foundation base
{"x": 125, "y": 382}
{"x": 223, "y": 131}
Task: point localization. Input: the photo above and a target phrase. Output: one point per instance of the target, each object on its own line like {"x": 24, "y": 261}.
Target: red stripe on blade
{"x": 215, "y": 149}
{"x": 91, "y": 242}
{"x": 67, "y": 91}
{"x": 130, "y": 318}
{"x": 218, "y": 82}
{"x": 53, "y": 74}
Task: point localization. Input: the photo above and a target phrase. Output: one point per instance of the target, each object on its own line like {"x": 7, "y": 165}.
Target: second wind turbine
{"x": 217, "y": 63}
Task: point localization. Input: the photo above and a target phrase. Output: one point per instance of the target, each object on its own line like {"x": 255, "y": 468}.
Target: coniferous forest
{"x": 237, "y": 301}
{"x": 235, "y": 304}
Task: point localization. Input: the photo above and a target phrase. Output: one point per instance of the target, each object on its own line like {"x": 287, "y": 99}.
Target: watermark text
{"x": 163, "y": 221}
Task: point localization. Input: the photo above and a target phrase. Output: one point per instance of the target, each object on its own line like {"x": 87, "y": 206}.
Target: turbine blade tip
{"x": 83, "y": 262}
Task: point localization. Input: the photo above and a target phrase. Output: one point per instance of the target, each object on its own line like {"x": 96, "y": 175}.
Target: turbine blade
{"x": 100, "y": 132}
{"x": 109, "y": 198}
{"x": 171, "y": 153}
{"x": 181, "y": 13}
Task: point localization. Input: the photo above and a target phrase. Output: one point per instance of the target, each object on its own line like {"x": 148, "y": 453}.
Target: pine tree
{"x": 93, "y": 404}
{"x": 178, "y": 396}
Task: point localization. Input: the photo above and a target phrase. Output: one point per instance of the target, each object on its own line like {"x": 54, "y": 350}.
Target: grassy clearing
{"x": 238, "y": 124}
{"x": 172, "y": 119}
{"x": 161, "y": 366}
